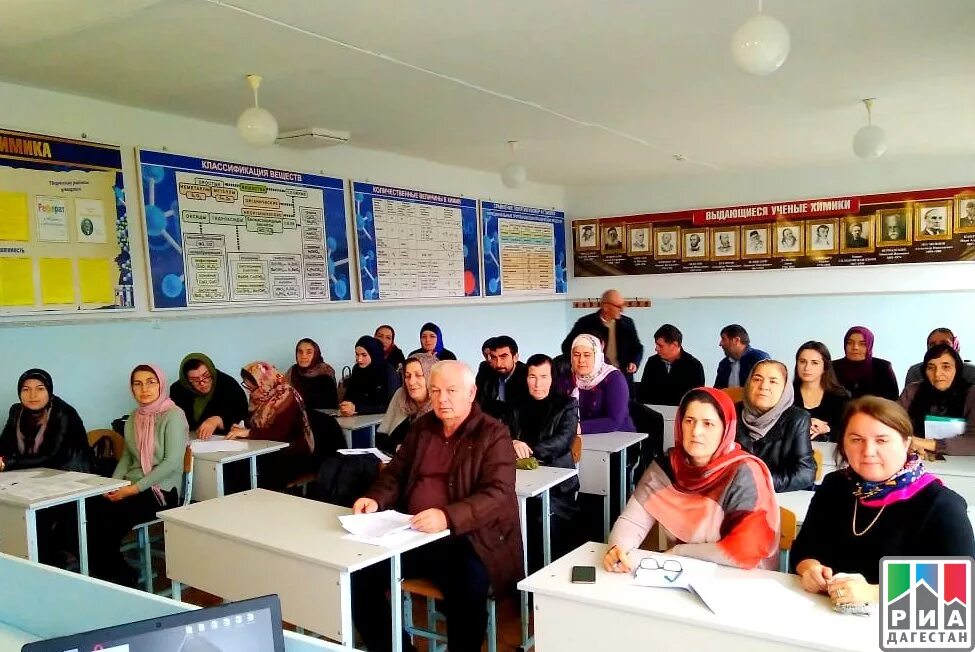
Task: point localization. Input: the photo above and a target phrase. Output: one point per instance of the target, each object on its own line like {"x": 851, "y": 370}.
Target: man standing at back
{"x": 739, "y": 358}
{"x": 506, "y": 386}
{"x": 623, "y": 348}
{"x": 672, "y": 372}
{"x": 456, "y": 471}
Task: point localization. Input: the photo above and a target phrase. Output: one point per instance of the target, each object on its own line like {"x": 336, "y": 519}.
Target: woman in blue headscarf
{"x": 372, "y": 382}
{"x": 431, "y": 341}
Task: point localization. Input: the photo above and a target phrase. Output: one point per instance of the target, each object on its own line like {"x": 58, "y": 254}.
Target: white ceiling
{"x": 657, "y": 70}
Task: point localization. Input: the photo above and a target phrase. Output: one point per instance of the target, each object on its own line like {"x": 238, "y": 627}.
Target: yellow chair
{"x": 788, "y": 529}
{"x": 431, "y": 593}
{"x": 577, "y": 449}
{"x": 818, "y": 457}
{"x": 118, "y": 442}
{"x": 736, "y": 394}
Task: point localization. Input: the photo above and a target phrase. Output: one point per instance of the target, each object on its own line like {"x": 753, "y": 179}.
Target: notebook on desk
{"x": 246, "y": 626}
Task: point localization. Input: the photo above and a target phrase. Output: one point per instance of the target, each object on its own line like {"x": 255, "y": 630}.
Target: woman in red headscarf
{"x": 713, "y": 500}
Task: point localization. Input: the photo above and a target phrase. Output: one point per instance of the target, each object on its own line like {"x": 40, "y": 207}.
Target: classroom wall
{"x": 90, "y": 356}
{"x": 781, "y": 309}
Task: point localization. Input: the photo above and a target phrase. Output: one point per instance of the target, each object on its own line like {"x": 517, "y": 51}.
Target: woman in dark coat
{"x": 313, "y": 377}
{"x": 860, "y": 372}
{"x": 372, "y": 383}
{"x": 771, "y": 428}
{"x": 42, "y": 431}
{"x": 431, "y": 341}
{"x": 212, "y": 400}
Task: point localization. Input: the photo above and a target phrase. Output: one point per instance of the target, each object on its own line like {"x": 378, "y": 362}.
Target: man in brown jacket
{"x": 456, "y": 471}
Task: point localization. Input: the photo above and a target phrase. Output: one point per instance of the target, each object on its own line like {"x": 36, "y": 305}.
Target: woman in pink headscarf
{"x": 152, "y": 461}
{"x": 861, "y": 373}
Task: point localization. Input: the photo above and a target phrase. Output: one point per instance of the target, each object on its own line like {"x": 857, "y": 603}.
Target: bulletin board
{"x": 524, "y": 250}
{"x": 222, "y": 234}
{"x": 415, "y": 245}
{"x": 64, "y": 240}
{"x": 917, "y": 226}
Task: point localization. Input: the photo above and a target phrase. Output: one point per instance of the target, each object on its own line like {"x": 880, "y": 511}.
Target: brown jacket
{"x": 481, "y": 485}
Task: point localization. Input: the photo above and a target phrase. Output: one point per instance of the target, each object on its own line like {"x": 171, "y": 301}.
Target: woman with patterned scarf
{"x": 276, "y": 413}
{"x": 713, "y": 500}
{"x": 885, "y": 503}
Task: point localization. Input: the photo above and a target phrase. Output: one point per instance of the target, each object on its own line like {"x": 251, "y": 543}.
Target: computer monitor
{"x": 246, "y": 626}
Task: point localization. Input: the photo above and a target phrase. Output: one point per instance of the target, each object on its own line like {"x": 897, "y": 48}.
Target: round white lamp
{"x": 761, "y": 45}
{"x": 869, "y": 142}
{"x": 256, "y": 125}
{"x": 514, "y": 174}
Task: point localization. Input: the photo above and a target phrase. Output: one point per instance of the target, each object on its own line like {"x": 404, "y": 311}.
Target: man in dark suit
{"x": 623, "y": 348}
{"x": 854, "y": 236}
{"x": 672, "y": 372}
{"x": 506, "y": 385}
{"x": 739, "y": 358}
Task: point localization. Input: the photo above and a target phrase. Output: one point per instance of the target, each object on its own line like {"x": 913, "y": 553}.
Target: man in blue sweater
{"x": 739, "y": 358}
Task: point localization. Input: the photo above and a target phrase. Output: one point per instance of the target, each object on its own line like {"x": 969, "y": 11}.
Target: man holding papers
{"x": 456, "y": 471}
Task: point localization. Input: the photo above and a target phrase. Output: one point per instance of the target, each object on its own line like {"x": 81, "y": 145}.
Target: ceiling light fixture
{"x": 870, "y": 141}
{"x": 760, "y": 46}
{"x": 256, "y": 125}
{"x": 514, "y": 174}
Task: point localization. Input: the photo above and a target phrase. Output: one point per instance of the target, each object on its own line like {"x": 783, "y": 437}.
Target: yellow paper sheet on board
{"x": 57, "y": 281}
{"x": 14, "y": 218}
{"x": 95, "y": 278}
{"x": 16, "y": 282}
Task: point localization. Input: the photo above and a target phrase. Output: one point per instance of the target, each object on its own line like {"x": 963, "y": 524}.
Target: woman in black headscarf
{"x": 942, "y": 392}
{"x": 42, "y": 431}
{"x": 372, "y": 382}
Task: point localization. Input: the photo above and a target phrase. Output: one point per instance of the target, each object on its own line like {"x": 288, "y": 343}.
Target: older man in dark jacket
{"x": 623, "y": 348}
{"x": 456, "y": 471}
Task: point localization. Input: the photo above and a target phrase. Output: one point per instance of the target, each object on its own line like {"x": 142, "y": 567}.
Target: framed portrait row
{"x": 813, "y": 238}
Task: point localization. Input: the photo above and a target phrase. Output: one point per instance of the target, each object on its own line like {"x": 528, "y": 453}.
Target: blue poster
{"x": 524, "y": 250}
{"x": 231, "y": 234}
{"x": 415, "y": 245}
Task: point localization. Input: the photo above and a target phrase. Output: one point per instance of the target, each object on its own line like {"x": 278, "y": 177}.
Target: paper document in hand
{"x": 218, "y": 446}
{"x": 943, "y": 427}
{"x": 393, "y": 540}
{"x": 383, "y": 457}
{"x": 377, "y": 524}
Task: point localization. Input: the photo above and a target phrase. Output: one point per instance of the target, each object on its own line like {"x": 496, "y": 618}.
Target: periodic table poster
{"x": 415, "y": 245}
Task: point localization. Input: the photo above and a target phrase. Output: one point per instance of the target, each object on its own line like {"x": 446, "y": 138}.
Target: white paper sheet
{"x": 383, "y": 457}
{"x": 377, "y": 524}
{"x": 218, "y": 446}
{"x": 943, "y": 427}
{"x": 393, "y": 540}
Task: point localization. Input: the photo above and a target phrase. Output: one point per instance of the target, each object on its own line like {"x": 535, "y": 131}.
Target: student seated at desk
{"x": 42, "y": 431}
{"x": 943, "y": 392}
{"x": 772, "y": 428}
{"x": 456, "y": 471}
{"x": 860, "y": 372}
{"x": 941, "y": 335}
{"x": 393, "y": 354}
{"x": 884, "y": 503}
{"x": 431, "y": 341}
{"x": 312, "y": 377}
{"x": 410, "y": 402}
{"x": 544, "y": 427}
{"x": 212, "y": 400}
{"x": 819, "y": 392}
{"x": 152, "y": 461}
{"x": 372, "y": 383}
{"x": 601, "y": 389}
{"x": 277, "y": 413}
{"x": 714, "y": 500}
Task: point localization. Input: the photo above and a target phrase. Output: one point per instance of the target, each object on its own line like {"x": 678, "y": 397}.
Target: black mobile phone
{"x": 583, "y": 574}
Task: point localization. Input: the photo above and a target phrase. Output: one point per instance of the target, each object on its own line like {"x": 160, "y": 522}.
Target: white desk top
{"x": 669, "y": 412}
{"x": 803, "y": 619}
{"x": 292, "y": 526}
{"x": 12, "y": 638}
{"x": 796, "y": 502}
{"x": 254, "y": 447}
{"x": 611, "y": 442}
{"x": 529, "y": 484}
{"x": 360, "y": 421}
{"x": 94, "y": 485}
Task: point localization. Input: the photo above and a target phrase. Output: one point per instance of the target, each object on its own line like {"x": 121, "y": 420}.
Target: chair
{"x": 788, "y": 528}
{"x": 118, "y": 441}
{"x": 736, "y": 394}
{"x": 438, "y": 641}
{"x": 577, "y": 449}
{"x": 818, "y": 457}
{"x": 144, "y": 541}
{"x": 301, "y": 483}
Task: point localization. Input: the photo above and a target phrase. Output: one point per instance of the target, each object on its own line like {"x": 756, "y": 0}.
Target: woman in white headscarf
{"x": 604, "y": 397}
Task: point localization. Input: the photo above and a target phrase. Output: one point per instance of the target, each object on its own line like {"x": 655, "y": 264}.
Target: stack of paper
{"x": 387, "y": 529}
{"x": 383, "y": 457}
{"x": 218, "y": 446}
